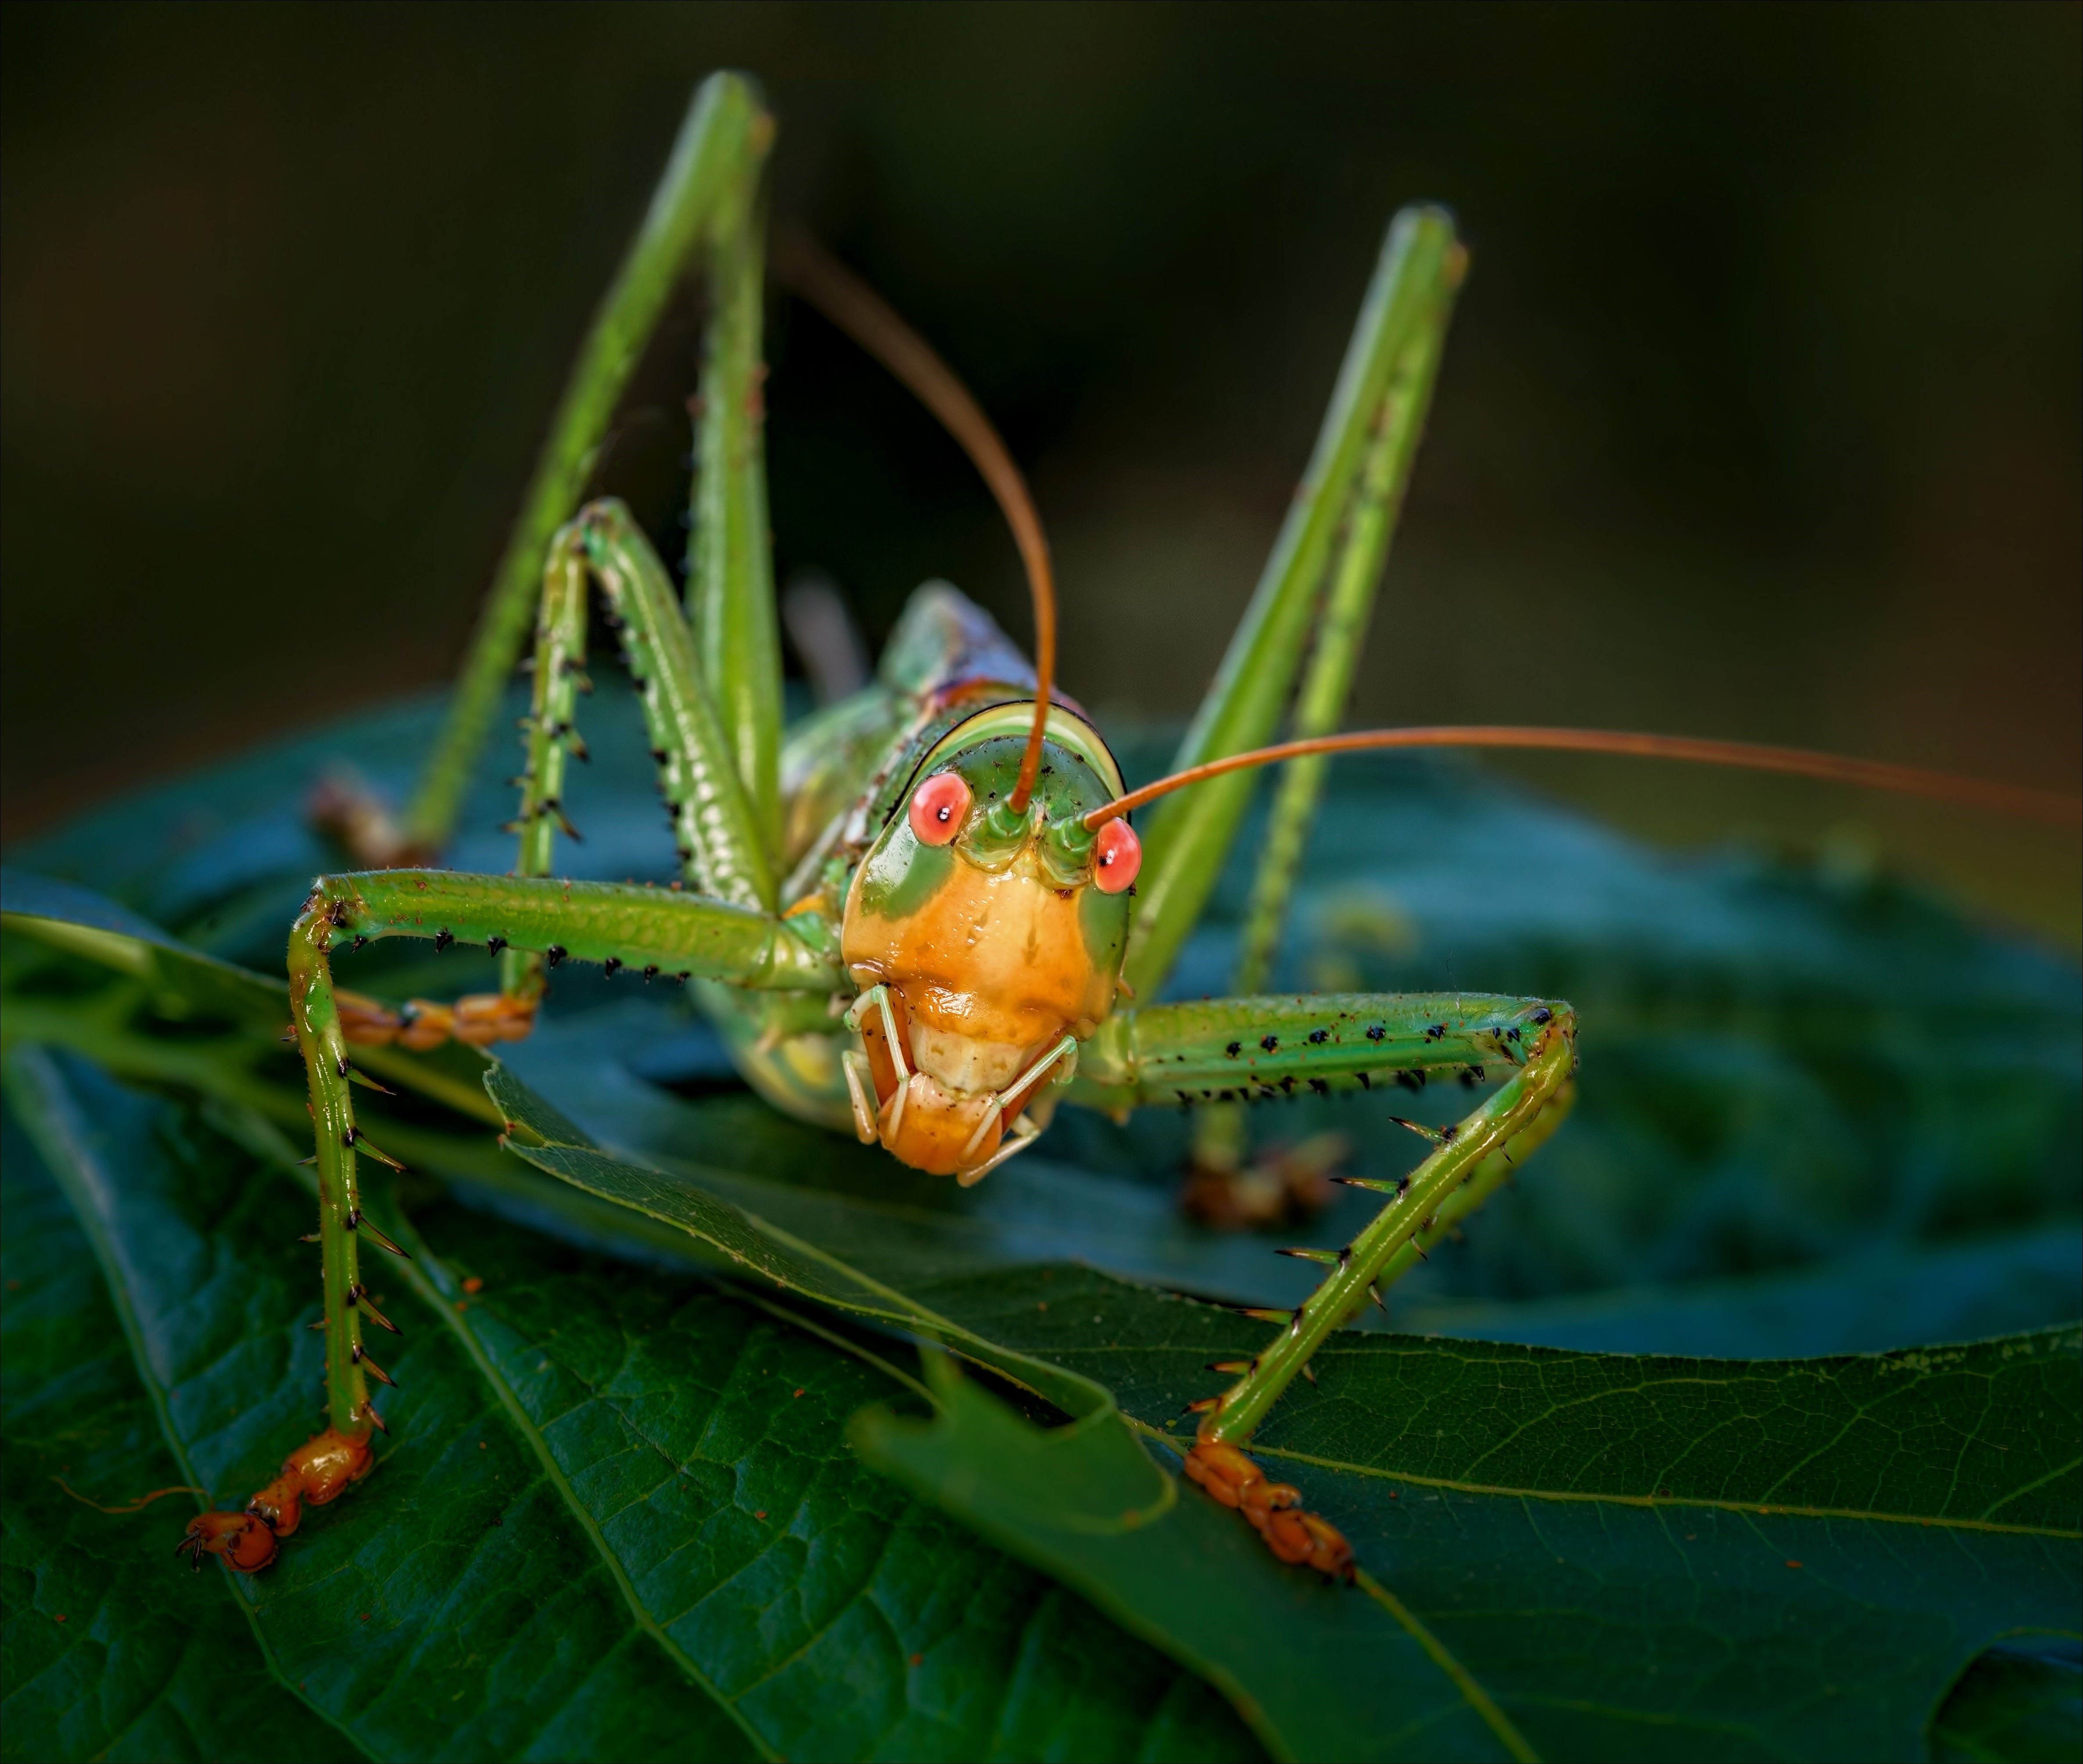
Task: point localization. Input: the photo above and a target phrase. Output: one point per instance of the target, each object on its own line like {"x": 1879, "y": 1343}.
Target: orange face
{"x": 992, "y": 939}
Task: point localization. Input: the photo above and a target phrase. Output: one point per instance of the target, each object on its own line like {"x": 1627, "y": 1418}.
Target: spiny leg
{"x": 658, "y": 931}
{"x": 661, "y": 931}
{"x": 1222, "y": 1188}
{"x": 723, "y": 851}
{"x": 730, "y": 599}
{"x": 325, "y": 1464}
{"x": 720, "y": 146}
{"x": 717, "y": 842}
{"x": 531, "y": 922}
{"x": 1227, "y": 1050}
{"x": 552, "y": 739}
{"x": 1188, "y": 838}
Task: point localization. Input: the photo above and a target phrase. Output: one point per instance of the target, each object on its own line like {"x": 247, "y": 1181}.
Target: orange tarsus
{"x": 802, "y": 265}
{"x": 478, "y": 1019}
{"x": 317, "y": 1472}
{"x": 245, "y": 1542}
{"x": 1800, "y": 762}
{"x": 1274, "y": 1509}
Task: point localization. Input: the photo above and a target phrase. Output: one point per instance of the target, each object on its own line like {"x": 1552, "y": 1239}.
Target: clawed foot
{"x": 1273, "y": 1508}
{"x": 319, "y": 1471}
{"x": 1287, "y": 1185}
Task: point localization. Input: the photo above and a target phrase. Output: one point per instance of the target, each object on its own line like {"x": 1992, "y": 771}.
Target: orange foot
{"x": 1285, "y": 1185}
{"x": 1273, "y": 1508}
{"x": 319, "y": 1470}
{"x": 480, "y": 1019}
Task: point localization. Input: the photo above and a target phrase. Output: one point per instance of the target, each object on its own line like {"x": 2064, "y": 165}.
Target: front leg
{"x": 656, "y": 931}
{"x": 1234, "y": 1050}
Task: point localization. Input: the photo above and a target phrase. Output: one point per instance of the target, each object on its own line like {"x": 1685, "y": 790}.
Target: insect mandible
{"x": 923, "y": 914}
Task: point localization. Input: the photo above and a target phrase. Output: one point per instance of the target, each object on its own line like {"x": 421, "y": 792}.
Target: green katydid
{"x": 922, "y": 914}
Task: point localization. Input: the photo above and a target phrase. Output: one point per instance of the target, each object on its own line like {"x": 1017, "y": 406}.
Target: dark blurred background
{"x": 1760, "y": 415}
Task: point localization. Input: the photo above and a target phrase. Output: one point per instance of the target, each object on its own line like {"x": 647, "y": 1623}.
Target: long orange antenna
{"x": 1873, "y": 774}
{"x": 805, "y": 268}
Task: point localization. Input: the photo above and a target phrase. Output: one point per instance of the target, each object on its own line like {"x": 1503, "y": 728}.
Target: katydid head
{"x": 990, "y": 932}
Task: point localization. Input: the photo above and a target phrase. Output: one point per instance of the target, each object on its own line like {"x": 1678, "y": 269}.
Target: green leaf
{"x": 563, "y": 1552}
{"x": 1787, "y": 1559}
{"x": 1820, "y": 1114}
{"x": 181, "y": 980}
{"x": 106, "y": 1653}
{"x": 1823, "y": 1496}
{"x": 1086, "y": 1502}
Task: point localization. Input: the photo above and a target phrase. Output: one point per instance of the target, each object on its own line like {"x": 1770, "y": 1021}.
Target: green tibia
{"x": 1189, "y": 836}
{"x": 1220, "y": 1134}
{"x": 1450, "y": 1182}
{"x": 315, "y": 1019}
{"x": 1241, "y": 1049}
{"x": 722, "y": 851}
{"x": 1341, "y": 635}
{"x": 655, "y": 930}
{"x": 730, "y": 567}
{"x": 553, "y": 736}
{"x": 724, "y": 131}
{"x": 1491, "y": 1175}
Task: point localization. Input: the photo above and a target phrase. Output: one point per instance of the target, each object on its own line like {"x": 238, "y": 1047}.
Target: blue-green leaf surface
{"x": 1820, "y": 1115}
{"x": 613, "y": 1519}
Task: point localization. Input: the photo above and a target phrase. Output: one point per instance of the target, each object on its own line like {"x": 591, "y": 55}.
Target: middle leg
{"x": 721, "y": 848}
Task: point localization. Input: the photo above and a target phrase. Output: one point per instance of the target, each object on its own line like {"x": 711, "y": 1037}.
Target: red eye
{"x": 1118, "y": 856}
{"x": 938, "y": 806}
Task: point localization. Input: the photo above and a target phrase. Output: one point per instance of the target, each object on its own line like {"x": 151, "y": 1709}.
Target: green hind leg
{"x": 1231, "y": 1050}
{"x": 1227, "y": 1186}
{"x": 714, "y": 161}
{"x": 658, "y": 932}
{"x": 1337, "y": 533}
{"x": 730, "y": 599}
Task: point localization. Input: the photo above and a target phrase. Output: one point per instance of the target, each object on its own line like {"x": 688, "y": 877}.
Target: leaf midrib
{"x": 265, "y": 1140}
{"x": 440, "y": 1303}
{"x": 1862, "y": 1410}
{"x": 1598, "y": 1497}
